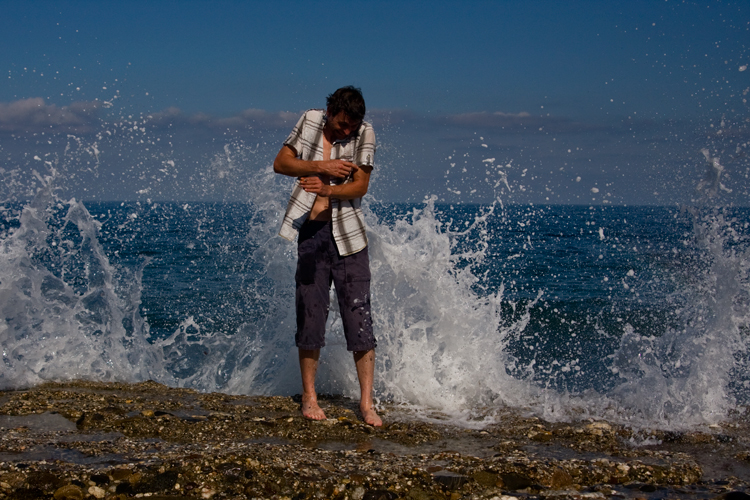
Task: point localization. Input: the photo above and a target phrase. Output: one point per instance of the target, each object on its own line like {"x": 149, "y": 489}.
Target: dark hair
{"x": 349, "y": 100}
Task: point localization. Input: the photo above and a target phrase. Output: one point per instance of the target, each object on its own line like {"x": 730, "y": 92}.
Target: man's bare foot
{"x": 311, "y": 410}
{"x": 370, "y": 416}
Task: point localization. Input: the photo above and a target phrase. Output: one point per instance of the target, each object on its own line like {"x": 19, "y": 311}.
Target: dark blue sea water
{"x": 635, "y": 314}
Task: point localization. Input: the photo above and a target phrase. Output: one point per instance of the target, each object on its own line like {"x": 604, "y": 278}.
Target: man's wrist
{"x": 312, "y": 167}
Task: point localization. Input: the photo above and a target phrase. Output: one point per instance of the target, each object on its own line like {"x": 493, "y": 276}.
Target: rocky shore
{"x": 109, "y": 440}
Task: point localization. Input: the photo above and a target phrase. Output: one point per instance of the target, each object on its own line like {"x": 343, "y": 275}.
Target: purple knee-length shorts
{"x": 319, "y": 265}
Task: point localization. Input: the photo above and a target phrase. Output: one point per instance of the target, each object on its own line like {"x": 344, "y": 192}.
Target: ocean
{"x": 635, "y": 314}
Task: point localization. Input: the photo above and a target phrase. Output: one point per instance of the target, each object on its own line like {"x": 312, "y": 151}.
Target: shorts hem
{"x": 358, "y": 349}
{"x": 310, "y": 348}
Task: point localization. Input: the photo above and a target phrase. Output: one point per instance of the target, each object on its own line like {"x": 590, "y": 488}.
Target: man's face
{"x": 342, "y": 126}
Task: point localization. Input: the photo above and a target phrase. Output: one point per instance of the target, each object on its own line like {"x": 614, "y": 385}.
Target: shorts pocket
{"x": 357, "y": 266}
{"x": 306, "y": 262}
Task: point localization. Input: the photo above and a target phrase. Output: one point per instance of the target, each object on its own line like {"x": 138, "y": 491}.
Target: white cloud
{"x": 35, "y": 115}
{"x": 522, "y": 121}
{"x": 247, "y": 119}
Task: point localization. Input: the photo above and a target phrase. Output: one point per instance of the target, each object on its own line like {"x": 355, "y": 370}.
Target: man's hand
{"x": 313, "y": 184}
{"x": 356, "y": 188}
{"x": 287, "y": 163}
{"x": 337, "y": 168}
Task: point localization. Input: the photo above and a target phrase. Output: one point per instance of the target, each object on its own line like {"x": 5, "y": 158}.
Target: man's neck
{"x": 327, "y": 133}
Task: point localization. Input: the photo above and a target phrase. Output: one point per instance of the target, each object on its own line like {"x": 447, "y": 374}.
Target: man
{"x": 331, "y": 153}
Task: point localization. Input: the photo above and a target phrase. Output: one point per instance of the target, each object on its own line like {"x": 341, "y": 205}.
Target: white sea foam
{"x": 54, "y": 327}
{"x": 443, "y": 342}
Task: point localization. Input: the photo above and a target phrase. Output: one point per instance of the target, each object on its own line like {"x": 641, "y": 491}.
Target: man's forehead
{"x": 351, "y": 121}
{"x": 342, "y": 116}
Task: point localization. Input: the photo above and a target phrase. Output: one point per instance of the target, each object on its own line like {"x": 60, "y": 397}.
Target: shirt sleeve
{"x": 294, "y": 140}
{"x": 365, "y": 154}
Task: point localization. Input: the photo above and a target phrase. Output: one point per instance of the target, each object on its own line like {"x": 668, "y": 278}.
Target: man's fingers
{"x": 341, "y": 168}
{"x": 311, "y": 184}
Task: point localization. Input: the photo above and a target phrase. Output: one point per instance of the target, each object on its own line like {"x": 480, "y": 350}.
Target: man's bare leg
{"x": 308, "y": 366}
{"x": 365, "y": 361}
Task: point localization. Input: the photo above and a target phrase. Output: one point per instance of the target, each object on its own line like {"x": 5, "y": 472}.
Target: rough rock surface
{"x": 108, "y": 440}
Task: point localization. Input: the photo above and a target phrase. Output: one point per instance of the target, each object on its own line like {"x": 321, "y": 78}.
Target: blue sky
{"x": 569, "y": 102}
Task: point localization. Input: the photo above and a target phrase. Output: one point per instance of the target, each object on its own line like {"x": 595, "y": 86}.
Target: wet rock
{"x": 450, "y": 480}
{"x": 89, "y": 420}
{"x": 420, "y": 494}
{"x": 486, "y": 479}
{"x": 358, "y": 479}
{"x": 159, "y": 482}
{"x": 633, "y": 486}
{"x": 602, "y": 426}
{"x": 125, "y": 489}
{"x": 379, "y": 495}
{"x": 233, "y": 471}
{"x": 561, "y": 479}
{"x": 120, "y": 474}
{"x": 29, "y": 494}
{"x": 515, "y": 481}
{"x": 100, "y": 479}
{"x": 13, "y": 480}
{"x": 97, "y": 492}
{"x": 69, "y": 492}
{"x": 358, "y": 493}
{"x": 736, "y": 495}
{"x": 45, "y": 480}
{"x": 231, "y": 453}
{"x": 673, "y": 437}
{"x": 541, "y": 436}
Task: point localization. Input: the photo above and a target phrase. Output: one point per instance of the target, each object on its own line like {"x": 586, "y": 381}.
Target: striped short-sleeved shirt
{"x": 348, "y": 222}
